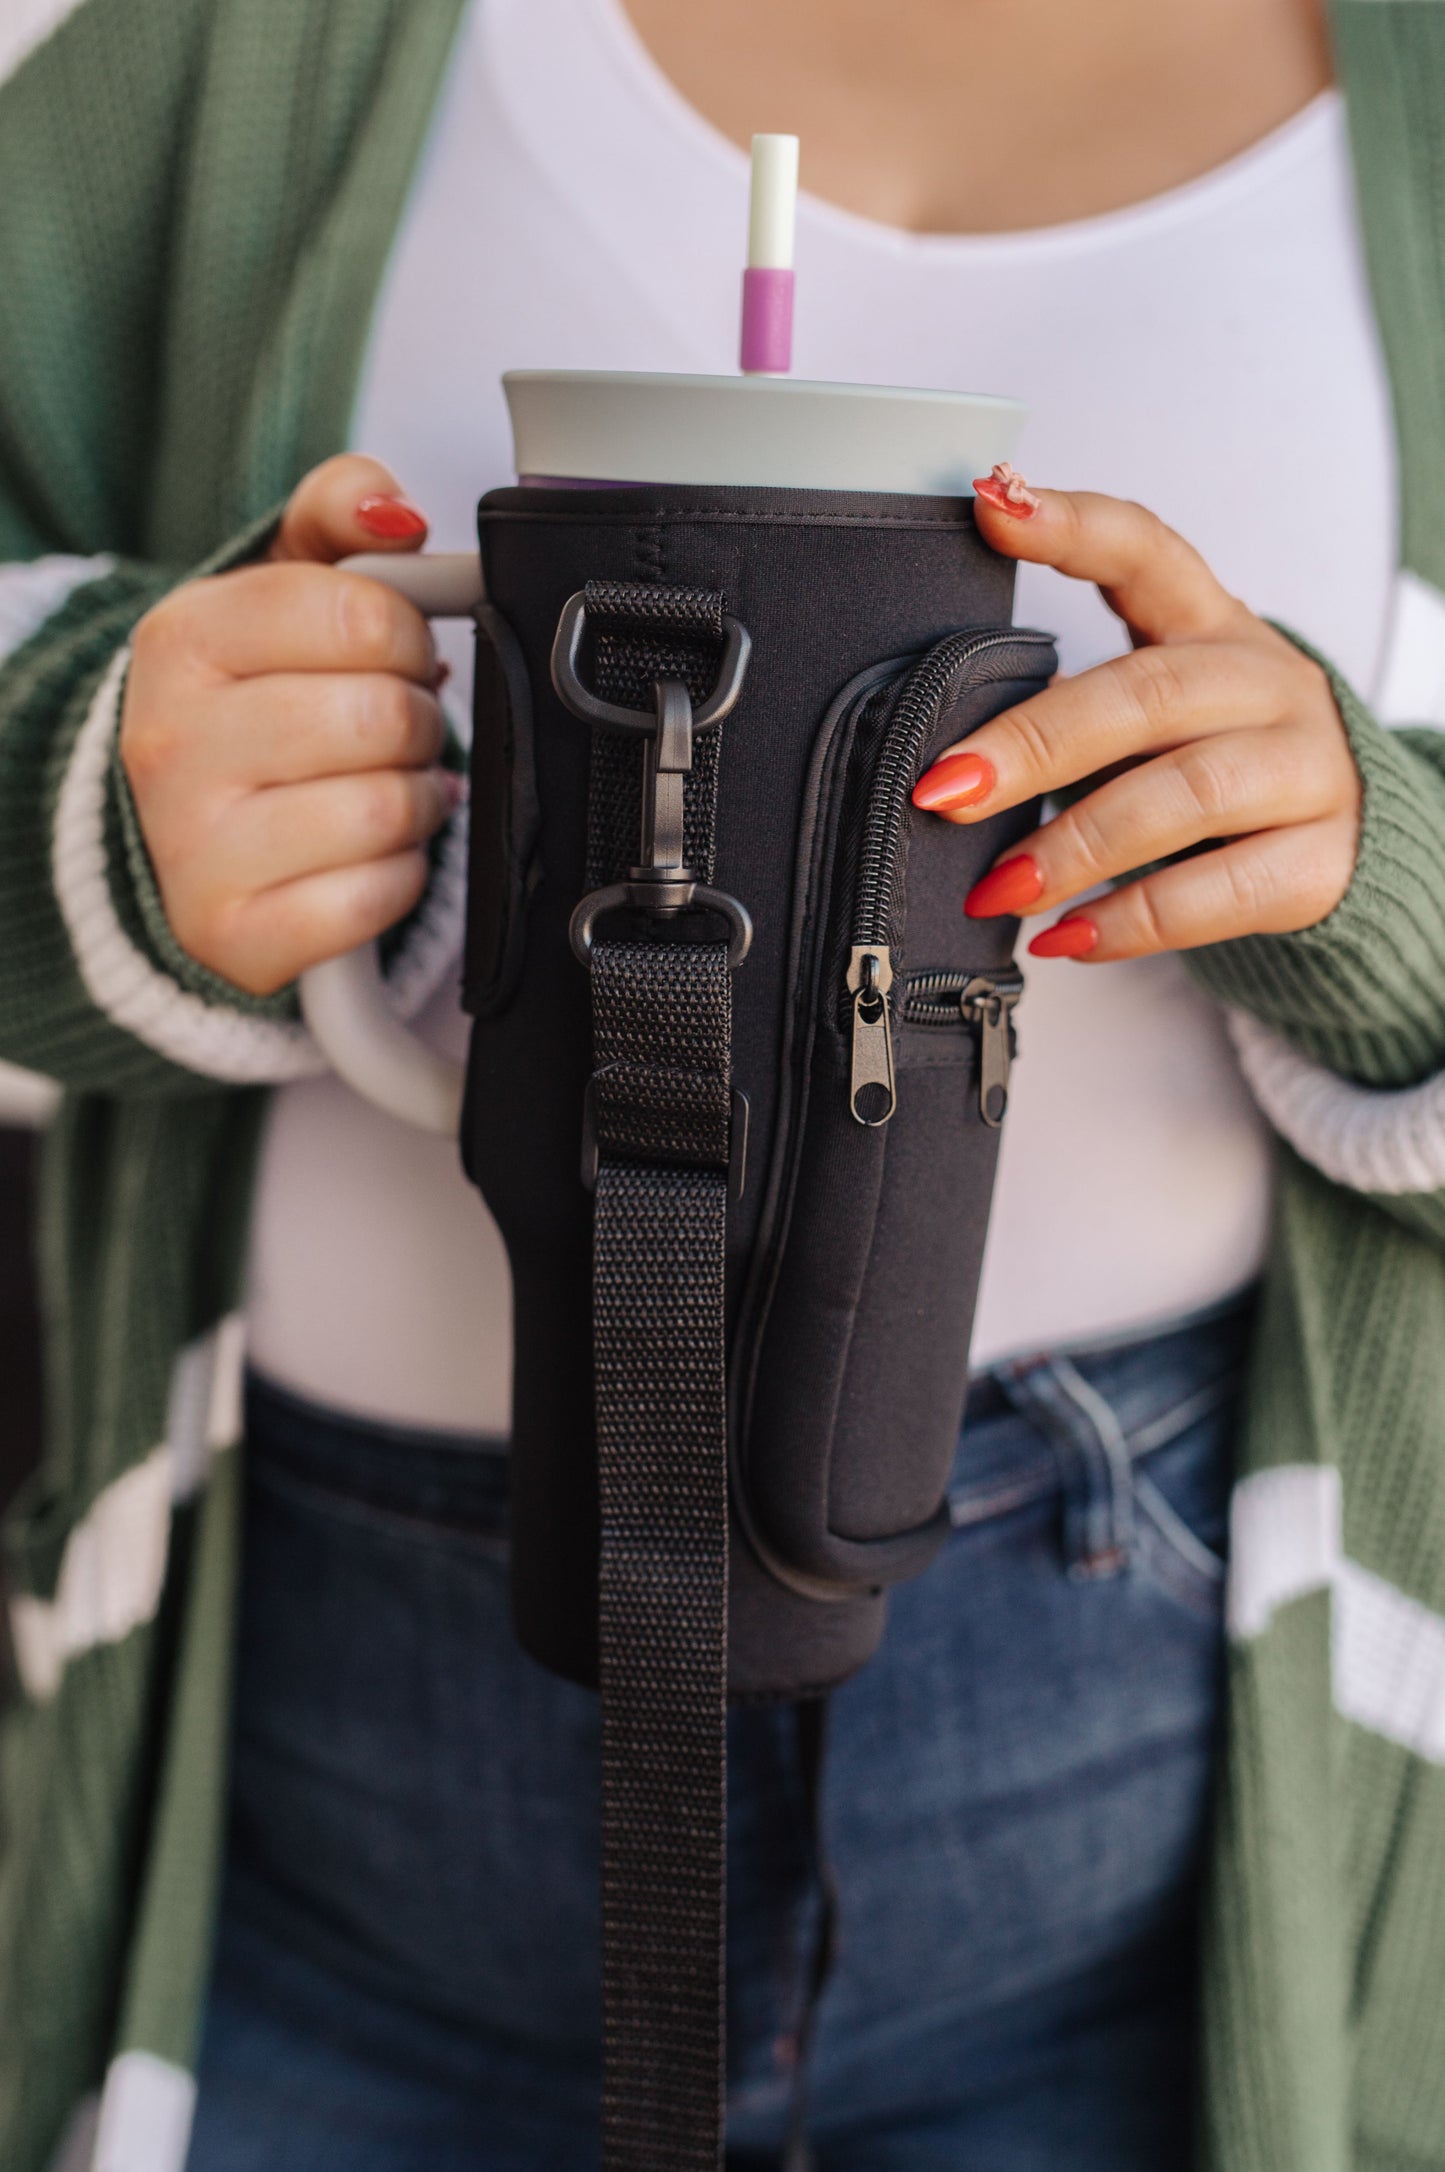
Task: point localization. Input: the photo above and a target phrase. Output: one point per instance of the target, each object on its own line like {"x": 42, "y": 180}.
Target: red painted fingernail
{"x": 1007, "y": 490}
{"x": 959, "y": 780}
{"x": 1071, "y": 938}
{"x": 440, "y": 676}
{"x": 396, "y": 520}
{"x": 1011, "y": 888}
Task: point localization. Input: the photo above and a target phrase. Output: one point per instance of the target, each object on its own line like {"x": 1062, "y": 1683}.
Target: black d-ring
{"x": 700, "y": 898}
{"x": 567, "y": 646}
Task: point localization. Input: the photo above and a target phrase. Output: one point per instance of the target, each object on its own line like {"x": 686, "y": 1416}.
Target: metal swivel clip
{"x": 661, "y": 882}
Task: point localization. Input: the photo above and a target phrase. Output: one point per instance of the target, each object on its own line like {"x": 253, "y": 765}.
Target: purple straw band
{"x": 767, "y": 347}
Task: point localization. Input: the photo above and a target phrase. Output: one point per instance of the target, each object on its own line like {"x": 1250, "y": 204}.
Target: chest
{"x": 1206, "y": 352}
{"x": 993, "y": 115}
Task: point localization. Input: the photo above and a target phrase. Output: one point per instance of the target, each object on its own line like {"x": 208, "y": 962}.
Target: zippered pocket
{"x": 981, "y": 1004}
{"x": 897, "y": 723}
{"x": 896, "y": 1062}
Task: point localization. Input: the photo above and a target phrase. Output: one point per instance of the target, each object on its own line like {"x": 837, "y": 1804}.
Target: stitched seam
{"x": 489, "y": 1537}
{"x": 723, "y": 513}
{"x": 966, "y": 1507}
{"x": 1159, "y": 1432}
{"x": 1173, "y": 1529}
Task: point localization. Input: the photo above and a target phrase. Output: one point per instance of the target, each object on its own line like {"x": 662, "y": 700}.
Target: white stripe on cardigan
{"x": 146, "y": 2112}
{"x": 33, "y": 590}
{"x": 1387, "y": 1651}
{"x": 24, "y": 24}
{"x": 113, "y": 1569}
{"x": 1368, "y": 1139}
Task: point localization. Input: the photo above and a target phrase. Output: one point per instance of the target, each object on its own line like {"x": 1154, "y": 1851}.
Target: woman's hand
{"x": 1215, "y": 727}
{"x": 281, "y": 733}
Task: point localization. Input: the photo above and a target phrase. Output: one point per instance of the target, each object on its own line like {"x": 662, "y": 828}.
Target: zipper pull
{"x": 870, "y": 976}
{"x": 987, "y": 1001}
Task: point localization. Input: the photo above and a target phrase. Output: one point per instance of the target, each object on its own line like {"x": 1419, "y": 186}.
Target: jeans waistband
{"x": 1216, "y": 1339}
{"x": 457, "y": 1479}
{"x": 461, "y": 1480}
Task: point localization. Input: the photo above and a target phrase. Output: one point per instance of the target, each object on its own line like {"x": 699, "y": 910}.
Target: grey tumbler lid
{"x": 635, "y": 427}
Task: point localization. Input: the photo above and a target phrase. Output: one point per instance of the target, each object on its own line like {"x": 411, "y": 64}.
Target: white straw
{"x": 773, "y": 212}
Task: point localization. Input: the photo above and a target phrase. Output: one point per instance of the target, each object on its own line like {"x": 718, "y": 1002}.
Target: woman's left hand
{"x": 1214, "y": 727}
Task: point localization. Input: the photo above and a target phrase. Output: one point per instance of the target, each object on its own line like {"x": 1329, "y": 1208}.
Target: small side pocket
{"x": 851, "y": 1365}
{"x": 501, "y": 872}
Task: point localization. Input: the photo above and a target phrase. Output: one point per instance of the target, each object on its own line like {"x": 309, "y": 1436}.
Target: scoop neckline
{"x": 1285, "y": 145}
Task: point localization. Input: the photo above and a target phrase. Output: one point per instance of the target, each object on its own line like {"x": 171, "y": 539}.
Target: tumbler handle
{"x": 342, "y": 1000}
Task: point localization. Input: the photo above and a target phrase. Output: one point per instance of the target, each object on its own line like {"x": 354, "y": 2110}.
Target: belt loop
{"x": 1095, "y": 1467}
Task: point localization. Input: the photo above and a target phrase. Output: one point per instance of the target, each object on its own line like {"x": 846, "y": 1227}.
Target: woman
{"x": 242, "y": 237}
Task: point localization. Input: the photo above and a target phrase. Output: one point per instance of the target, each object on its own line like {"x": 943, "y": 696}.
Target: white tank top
{"x": 572, "y": 210}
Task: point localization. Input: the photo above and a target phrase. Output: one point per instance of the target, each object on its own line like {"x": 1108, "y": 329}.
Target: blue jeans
{"x": 1016, "y": 1801}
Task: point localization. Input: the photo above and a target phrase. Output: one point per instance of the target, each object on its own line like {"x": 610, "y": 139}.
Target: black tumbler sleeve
{"x": 870, "y": 1328}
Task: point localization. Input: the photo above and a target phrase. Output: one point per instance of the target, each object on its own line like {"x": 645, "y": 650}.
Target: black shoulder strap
{"x": 661, "y": 1133}
{"x": 662, "y": 1469}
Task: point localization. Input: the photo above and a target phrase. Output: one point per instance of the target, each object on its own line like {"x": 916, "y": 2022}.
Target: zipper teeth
{"x": 922, "y": 993}
{"x": 926, "y": 996}
{"x": 898, "y": 757}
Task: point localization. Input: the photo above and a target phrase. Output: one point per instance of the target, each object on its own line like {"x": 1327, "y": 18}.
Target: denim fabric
{"x": 1015, "y": 1806}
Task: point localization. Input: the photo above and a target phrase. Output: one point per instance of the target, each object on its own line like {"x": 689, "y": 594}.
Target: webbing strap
{"x": 662, "y": 1035}
{"x": 812, "y": 1716}
{"x": 643, "y": 632}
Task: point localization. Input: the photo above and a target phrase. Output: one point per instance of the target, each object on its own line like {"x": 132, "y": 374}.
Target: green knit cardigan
{"x": 196, "y": 203}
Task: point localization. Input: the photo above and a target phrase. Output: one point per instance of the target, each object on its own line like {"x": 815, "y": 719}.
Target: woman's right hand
{"x": 281, "y": 733}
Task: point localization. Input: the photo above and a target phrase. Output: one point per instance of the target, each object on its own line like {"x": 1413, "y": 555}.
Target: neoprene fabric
{"x": 827, "y": 584}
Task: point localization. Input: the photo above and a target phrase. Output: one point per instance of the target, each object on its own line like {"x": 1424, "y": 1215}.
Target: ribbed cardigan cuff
{"x": 414, "y": 935}
{"x": 1363, "y": 991}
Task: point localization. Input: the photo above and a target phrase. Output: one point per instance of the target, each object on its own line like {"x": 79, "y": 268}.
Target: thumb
{"x": 347, "y": 504}
{"x": 1147, "y": 574}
